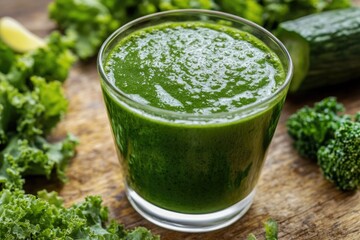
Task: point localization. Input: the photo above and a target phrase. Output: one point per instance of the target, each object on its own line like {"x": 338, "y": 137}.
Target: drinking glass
{"x": 191, "y": 172}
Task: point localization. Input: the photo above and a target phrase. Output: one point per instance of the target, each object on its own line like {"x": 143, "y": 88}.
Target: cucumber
{"x": 324, "y": 47}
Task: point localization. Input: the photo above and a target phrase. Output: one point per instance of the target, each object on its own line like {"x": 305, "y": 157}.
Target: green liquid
{"x": 198, "y": 68}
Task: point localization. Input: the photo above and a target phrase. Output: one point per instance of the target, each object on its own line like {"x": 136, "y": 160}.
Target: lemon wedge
{"x": 17, "y": 37}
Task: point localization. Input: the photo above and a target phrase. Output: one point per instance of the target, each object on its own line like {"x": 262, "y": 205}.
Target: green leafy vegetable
{"x": 25, "y": 216}
{"x": 30, "y": 107}
{"x": 86, "y": 22}
{"x": 25, "y": 119}
{"x": 51, "y": 62}
{"x": 7, "y": 57}
{"x": 89, "y": 22}
{"x": 39, "y": 157}
{"x": 10, "y": 173}
{"x": 33, "y": 112}
{"x": 9, "y": 96}
{"x": 43, "y": 107}
{"x": 271, "y": 230}
{"x": 32, "y": 102}
{"x": 332, "y": 138}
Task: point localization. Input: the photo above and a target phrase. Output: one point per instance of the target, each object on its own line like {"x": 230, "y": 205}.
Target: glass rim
{"x": 184, "y": 115}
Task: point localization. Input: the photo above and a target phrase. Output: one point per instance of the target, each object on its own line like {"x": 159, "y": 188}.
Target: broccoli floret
{"x": 312, "y": 127}
{"x": 339, "y": 159}
{"x": 323, "y": 134}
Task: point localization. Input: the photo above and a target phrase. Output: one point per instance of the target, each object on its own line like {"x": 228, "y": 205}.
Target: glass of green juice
{"x": 193, "y": 98}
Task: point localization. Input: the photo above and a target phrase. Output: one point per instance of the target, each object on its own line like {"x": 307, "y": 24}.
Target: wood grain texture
{"x": 291, "y": 189}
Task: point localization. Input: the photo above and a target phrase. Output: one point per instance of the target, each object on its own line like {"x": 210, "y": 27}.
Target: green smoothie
{"x": 187, "y": 135}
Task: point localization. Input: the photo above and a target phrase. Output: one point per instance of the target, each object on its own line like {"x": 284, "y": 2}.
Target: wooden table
{"x": 291, "y": 190}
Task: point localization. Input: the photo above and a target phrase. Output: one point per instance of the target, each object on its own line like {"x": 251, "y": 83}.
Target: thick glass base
{"x": 189, "y": 222}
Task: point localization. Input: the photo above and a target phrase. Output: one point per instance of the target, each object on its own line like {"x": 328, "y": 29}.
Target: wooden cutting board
{"x": 291, "y": 189}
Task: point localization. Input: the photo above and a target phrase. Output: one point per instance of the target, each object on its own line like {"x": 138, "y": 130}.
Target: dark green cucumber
{"x": 324, "y": 47}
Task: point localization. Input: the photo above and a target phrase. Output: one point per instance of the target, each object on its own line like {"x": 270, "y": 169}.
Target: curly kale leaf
{"x": 33, "y": 112}
{"x": 86, "y": 22}
{"x": 310, "y": 128}
{"x": 19, "y": 72}
{"x": 7, "y": 57}
{"x": 51, "y": 197}
{"x": 25, "y": 118}
{"x": 42, "y": 108}
{"x": 24, "y": 157}
{"x": 25, "y": 216}
{"x": 9, "y": 96}
{"x": 10, "y": 173}
{"x": 339, "y": 159}
{"x": 39, "y": 157}
{"x": 30, "y": 107}
{"x": 52, "y": 62}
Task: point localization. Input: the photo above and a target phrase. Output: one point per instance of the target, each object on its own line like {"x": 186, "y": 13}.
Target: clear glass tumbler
{"x": 192, "y": 172}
